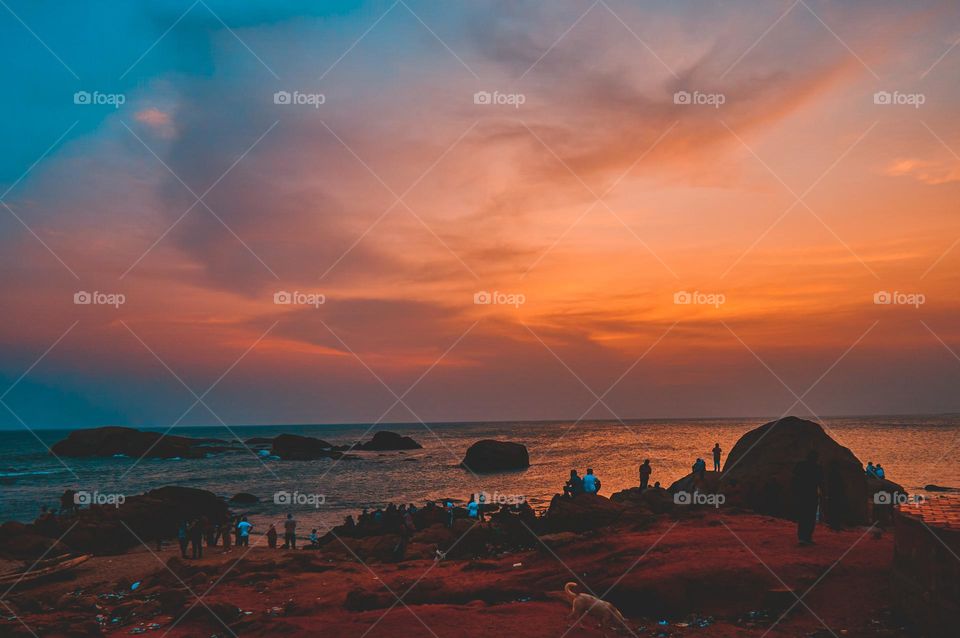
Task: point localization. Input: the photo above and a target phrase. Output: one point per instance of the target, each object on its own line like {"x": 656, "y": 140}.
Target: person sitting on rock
{"x": 574, "y": 485}
{"x": 473, "y": 508}
{"x": 591, "y": 484}
{"x": 880, "y": 472}
{"x": 645, "y": 471}
{"x": 314, "y": 538}
{"x": 700, "y": 468}
{"x": 871, "y": 471}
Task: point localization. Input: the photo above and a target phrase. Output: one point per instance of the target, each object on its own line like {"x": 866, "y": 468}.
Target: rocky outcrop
{"x": 385, "y": 441}
{"x": 580, "y": 513}
{"x": 655, "y": 500}
{"x": 112, "y": 441}
{"x": 489, "y": 455}
{"x": 244, "y": 498}
{"x": 293, "y": 447}
{"x": 113, "y": 528}
{"x": 758, "y": 472}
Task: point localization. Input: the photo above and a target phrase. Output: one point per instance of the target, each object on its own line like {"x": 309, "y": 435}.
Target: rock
{"x": 489, "y": 455}
{"x": 384, "y": 440}
{"x": 938, "y": 488}
{"x": 759, "y": 469}
{"x": 244, "y": 498}
{"x": 293, "y": 447}
{"x": 107, "y": 529}
{"x": 655, "y": 499}
{"x": 110, "y": 441}
{"x": 580, "y": 513}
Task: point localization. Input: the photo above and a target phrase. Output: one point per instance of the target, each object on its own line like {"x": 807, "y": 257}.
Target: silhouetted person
{"x": 272, "y": 536}
{"x": 68, "y": 502}
{"x": 591, "y": 484}
{"x": 807, "y": 485}
{"x": 290, "y": 532}
{"x": 182, "y": 538}
{"x": 574, "y": 485}
{"x": 881, "y": 473}
{"x": 196, "y": 539}
{"x": 700, "y": 468}
{"x": 716, "y": 457}
{"x": 645, "y": 471}
{"x": 226, "y": 532}
{"x": 871, "y": 471}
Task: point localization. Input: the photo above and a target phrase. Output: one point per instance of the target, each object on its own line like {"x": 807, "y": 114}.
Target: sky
{"x": 401, "y": 211}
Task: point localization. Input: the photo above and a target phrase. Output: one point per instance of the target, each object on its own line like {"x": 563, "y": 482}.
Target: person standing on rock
{"x": 716, "y": 456}
{"x": 290, "y": 532}
{"x": 807, "y": 486}
{"x": 645, "y": 471}
{"x": 182, "y": 538}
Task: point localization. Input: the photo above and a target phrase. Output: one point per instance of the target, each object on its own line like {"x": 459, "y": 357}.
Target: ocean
{"x": 915, "y": 451}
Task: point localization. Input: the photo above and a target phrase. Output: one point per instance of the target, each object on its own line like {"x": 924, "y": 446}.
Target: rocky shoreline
{"x": 673, "y": 566}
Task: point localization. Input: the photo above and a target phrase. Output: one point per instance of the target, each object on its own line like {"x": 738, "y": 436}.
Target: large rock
{"x": 293, "y": 447}
{"x": 116, "y": 528}
{"x": 759, "y": 469}
{"x": 383, "y": 441}
{"x": 489, "y": 455}
{"x": 111, "y": 441}
{"x": 580, "y": 513}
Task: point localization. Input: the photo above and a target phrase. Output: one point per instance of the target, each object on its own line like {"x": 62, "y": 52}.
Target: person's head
{"x": 657, "y": 484}
{"x": 646, "y": 461}
{"x": 244, "y": 519}
{"x": 878, "y": 465}
{"x": 573, "y": 473}
{"x": 717, "y": 444}
{"x": 869, "y": 462}
{"x": 472, "y": 499}
{"x": 289, "y": 516}
{"x": 314, "y": 530}
{"x": 589, "y": 470}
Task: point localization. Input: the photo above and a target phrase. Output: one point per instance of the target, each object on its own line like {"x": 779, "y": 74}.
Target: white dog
{"x": 586, "y": 605}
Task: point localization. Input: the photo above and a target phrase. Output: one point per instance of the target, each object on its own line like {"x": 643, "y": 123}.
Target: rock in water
{"x": 489, "y": 455}
{"x": 758, "y": 471}
{"x": 383, "y": 441}
{"x": 110, "y": 441}
{"x": 293, "y": 447}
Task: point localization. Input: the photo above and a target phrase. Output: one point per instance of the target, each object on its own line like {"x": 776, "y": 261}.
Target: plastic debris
{"x": 518, "y": 564}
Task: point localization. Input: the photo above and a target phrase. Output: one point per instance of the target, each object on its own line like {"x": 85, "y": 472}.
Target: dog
{"x": 586, "y": 605}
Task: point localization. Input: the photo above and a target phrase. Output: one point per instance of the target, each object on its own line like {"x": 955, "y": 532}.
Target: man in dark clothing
{"x": 716, "y": 457}
{"x": 196, "y": 539}
{"x": 645, "y": 471}
{"x": 807, "y": 485}
{"x": 290, "y": 532}
{"x": 574, "y": 486}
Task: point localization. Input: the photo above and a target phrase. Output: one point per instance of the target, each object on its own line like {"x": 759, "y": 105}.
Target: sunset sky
{"x": 815, "y": 165}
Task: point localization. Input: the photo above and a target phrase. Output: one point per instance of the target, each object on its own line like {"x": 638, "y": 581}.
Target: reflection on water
{"x": 911, "y": 450}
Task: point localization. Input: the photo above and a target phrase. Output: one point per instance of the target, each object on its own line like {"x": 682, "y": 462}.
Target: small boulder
{"x": 489, "y": 455}
{"x": 293, "y": 447}
{"x": 244, "y": 498}
{"x": 580, "y": 513}
{"x": 384, "y": 440}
